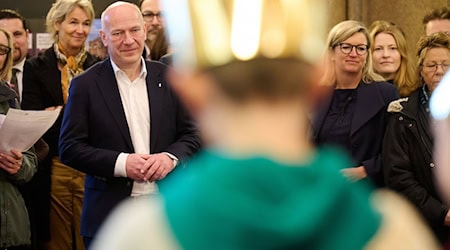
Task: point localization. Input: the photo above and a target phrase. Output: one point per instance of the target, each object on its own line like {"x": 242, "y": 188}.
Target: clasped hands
{"x": 11, "y": 163}
{"x": 148, "y": 167}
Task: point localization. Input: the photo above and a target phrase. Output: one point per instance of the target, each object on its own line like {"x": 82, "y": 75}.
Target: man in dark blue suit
{"x": 123, "y": 126}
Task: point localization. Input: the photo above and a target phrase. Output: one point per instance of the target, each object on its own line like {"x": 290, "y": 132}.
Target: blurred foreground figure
{"x": 440, "y": 111}
{"x": 259, "y": 183}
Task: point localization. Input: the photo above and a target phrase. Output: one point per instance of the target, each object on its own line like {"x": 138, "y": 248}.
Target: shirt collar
{"x": 143, "y": 72}
{"x": 20, "y": 65}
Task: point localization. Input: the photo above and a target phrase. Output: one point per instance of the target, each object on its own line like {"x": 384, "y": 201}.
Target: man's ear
{"x": 103, "y": 37}
{"x": 193, "y": 88}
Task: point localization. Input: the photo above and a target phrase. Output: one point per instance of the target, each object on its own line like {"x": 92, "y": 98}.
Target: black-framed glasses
{"x": 4, "y": 49}
{"x": 432, "y": 67}
{"x": 149, "y": 16}
{"x": 346, "y": 48}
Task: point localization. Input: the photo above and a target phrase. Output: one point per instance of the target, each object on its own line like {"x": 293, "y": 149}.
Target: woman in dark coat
{"x": 56, "y": 208}
{"x": 408, "y": 144}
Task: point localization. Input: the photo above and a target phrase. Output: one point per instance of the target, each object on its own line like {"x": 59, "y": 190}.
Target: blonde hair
{"x": 425, "y": 43}
{"x": 339, "y": 33}
{"x": 6, "y": 70}
{"x": 60, "y": 9}
{"x": 405, "y": 76}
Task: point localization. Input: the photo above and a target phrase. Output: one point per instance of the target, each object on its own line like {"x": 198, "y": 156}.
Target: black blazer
{"x": 408, "y": 161}
{"x": 95, "y": 131}
{"x": 42, "y": 89}
{"x": 368, "y": 125}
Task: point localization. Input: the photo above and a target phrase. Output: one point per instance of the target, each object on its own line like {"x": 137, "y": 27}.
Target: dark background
{"x": 35, "y": 11}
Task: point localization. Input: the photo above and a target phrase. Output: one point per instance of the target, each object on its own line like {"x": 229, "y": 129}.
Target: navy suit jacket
{"x": 368, "y": 125}
{"x": 95, "y": 131}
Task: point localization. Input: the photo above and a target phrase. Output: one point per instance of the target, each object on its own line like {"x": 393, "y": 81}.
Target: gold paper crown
{"x": 208, "y": 33}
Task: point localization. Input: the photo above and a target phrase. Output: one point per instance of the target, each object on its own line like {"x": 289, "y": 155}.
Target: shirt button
{"x": 400, "y": 118}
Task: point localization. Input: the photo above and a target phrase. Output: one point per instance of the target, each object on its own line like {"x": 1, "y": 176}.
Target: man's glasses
{"x": 432, "y": 67}
{"x": 149, "y": 16}
{"x": 4, "y": 49}
{"x": 346, "y": 48}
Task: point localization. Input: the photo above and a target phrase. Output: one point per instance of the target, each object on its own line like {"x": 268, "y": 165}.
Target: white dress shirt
{"x": 19, "y": 76}
{"x": 137, "y": 112}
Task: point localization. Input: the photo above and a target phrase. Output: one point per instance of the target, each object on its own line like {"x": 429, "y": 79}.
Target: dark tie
{"x": 14, "y": 80}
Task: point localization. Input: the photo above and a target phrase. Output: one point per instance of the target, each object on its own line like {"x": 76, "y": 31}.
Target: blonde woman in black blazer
{"x": 354, "y": 116}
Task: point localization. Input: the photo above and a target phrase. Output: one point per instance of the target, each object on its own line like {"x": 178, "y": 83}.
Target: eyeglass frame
{"x": 351, "y": 48}
{"x": 151, "y": 15}
{"x": 429, "y": 67}
{"x": 4, "y": 50}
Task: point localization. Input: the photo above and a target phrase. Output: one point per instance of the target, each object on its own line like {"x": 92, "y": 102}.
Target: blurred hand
{"x": 11, "y": 163}
{"x": 135, "y": 166}
{"x": 447, "y": 219}
{"x": 53, "y": 108}
{"x": 354, "y": 174}
{"x": 158, "y": 166}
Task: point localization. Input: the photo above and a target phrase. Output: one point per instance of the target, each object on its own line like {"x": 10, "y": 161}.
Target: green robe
{"x": 220, "y": 202}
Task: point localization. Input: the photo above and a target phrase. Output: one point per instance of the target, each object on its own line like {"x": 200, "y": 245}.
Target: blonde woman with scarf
{"x": 47, "y": 77}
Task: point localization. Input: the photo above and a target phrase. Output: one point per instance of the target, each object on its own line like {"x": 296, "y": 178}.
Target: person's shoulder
{"x": 148, "y": 228}
{"x": 398, "y": 214}
{"x": 95, "y": 69}
{"x": 155, "y": 66}
{"x": 383, "y": 86}
{"x": 90, "y": 60}
{"x": 387, "y": 90}
{"x": 387, "y": 87}
{"x": 42, "y": 58}
{"x": 167, "y": 59}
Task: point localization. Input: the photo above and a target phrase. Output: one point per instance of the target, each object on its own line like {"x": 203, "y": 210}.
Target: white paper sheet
{"x": 22, "y": 128}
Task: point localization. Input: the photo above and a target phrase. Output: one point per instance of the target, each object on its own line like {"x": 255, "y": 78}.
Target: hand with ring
{"x": 11, "y": 163}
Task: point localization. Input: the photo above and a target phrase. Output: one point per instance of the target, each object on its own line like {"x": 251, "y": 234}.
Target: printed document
{"x": 20, "y": 129}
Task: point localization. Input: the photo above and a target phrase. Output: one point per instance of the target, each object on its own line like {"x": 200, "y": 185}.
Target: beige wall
{"x": 407, "y": 14}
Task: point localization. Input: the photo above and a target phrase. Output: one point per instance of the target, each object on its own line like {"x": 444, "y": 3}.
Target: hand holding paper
{"x": 22, "y": 128}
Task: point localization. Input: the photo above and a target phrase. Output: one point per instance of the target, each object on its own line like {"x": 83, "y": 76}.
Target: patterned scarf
{"x": 424, "y": 96}
{"x": 72, "y": 67}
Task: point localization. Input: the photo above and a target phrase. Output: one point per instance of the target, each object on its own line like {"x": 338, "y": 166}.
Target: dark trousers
{"x": 87, "y": 242}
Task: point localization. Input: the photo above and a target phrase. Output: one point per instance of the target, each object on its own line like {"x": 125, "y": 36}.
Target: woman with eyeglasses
{"x": 408, "y": 145}
{"x": 354, "y": 116}
{"x": 16, "y": 168}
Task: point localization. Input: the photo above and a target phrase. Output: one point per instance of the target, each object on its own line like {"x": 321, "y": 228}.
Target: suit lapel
{"x": 368, "y": 103}
{"x": 156, "y": 86}
{"x": 109, "y": 91}
{"x": 48, "y": 76}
